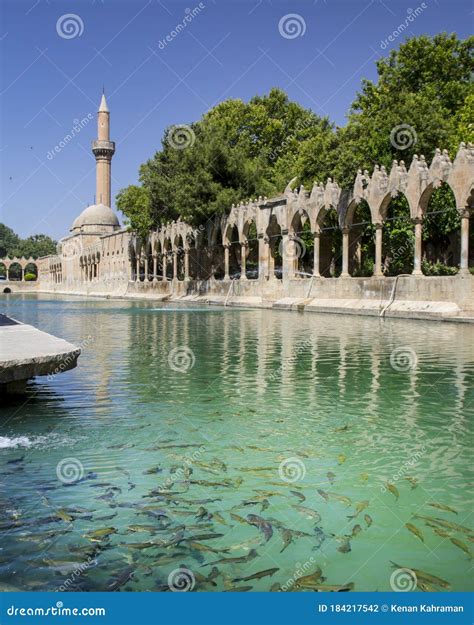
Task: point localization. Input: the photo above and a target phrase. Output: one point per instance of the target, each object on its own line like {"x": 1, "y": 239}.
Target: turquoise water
{"x": 178, "y": 417}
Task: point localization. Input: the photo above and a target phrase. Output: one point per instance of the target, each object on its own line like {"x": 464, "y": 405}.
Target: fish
{"x": 16, "y": 460}
{"x": 100, "y": 534}
{"x": 122, "y": 578}
{"x": 364, "y": 477}
{"x": 62, "y": 514}
{"x": 345, "y": 547}
{"x": 331, "y": 477}
{"x": 246, "y": 544}
{"x": 368, "y": 519}
{"x": 312, "y": 514}
{"x": 276, "y": 587}
{"x": 323, "y": 494}
{"x": 142, "y": 528}
{"x": 153, "y": 470}
{"x": 334, "y": 588}
{"x": 320, "y": 537}
{"x": 442, "y": 533}
{"x": 461, "y": 545}
{"x": 425, "y": 586}
{"x": 393, "y": 489}
{"x": 237, "y": 517}
{"x": 442, "y": 506}
{"x": 238, "y": 560}
{"x": 362, "y": 505}
{"x": 265, "y": 505}
{"x": 107, "y": 517}
{"x": 308, "y": 581}
{"x": 202, "y": 513}
{"x": 299, "y": 495}
{"x": 263, "y": 525}
{"x": 356, "y": 530}
{"x": 424, "y": 575}
{"x": 259, "y": 575}
{"x": 200, "y": 547}
{"x": 209, "y": 536}
{"x": 341, "y": 458}
{"x": 239, "y": 589}
{"x": 413, "y": 481}
{"x": 287, "y": 536}
{"x": 219, "y": 518}
{"x": 342, "y": 498}
{"x": 414, "y": 530}
{"x": 446, "y": 524}
{"x": 343, "y": 428}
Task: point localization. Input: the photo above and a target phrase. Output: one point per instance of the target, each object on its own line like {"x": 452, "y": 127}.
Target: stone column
{"x": 22, "y": 274}
{"x": 316, "y": 249}
{"x": 175, "y": 265}
{"x": 146, "y": 267}
{"x": 345, "y": 253}
{"x": 417, "y": 251}
{"x": 243, "y": 261}
{"x": 378, "y": 250}
{"x": 186, "y": 265}
{"x": 464, "y": 260}
{"x": 226, "y": 261}
{"x": 155, "y": 268}
{"x": 137, "y": 276}
{"x": 164, "y": 266}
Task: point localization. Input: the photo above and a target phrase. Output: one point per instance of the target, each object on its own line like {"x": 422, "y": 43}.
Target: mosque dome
{"x": 96, "y": 215}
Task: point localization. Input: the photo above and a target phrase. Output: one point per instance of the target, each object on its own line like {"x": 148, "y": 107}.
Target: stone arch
{"x": 274, "y": 236}
{"x": 15, "y": 271}
{"x": 358, "y": 220}
{"x": 178, "y": 257}
{"x": 3, "y": 270}
{"x": 441, "y": 248}
{"x": 232, "y": 240}
{"x": 250, "y": 248}
{"x": 7, "y": 290}
{"x": 167, "y": 258}
{"x": 330, "y": 242}
{"x": 398, "y": 236}
{"x": 31, "y": 268}
{"x": 302, "y": 243}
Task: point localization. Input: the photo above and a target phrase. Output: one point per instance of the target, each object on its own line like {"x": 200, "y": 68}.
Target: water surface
{"x": 178, "y": 417}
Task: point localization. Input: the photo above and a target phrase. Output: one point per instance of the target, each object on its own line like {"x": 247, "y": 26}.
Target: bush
{"x": 437, "y": 269}
{"x": 29, "y": 277}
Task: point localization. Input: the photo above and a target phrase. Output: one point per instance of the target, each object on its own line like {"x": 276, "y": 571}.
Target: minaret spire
{"x": 103, "y": 150}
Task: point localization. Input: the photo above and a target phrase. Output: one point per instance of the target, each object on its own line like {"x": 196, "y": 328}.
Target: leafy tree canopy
{"x": 34, "y": 246}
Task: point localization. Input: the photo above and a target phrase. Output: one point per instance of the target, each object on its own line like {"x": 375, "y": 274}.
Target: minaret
{"x": 103, "y": 150}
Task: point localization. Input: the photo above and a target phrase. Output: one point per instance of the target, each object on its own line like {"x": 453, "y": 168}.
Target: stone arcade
{"x": 232, "y": 258}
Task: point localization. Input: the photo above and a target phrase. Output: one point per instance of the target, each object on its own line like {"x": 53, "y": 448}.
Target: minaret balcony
{"x": 104, "y": 149}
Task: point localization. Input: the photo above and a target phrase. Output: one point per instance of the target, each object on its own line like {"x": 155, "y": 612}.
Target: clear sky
{"x": 53, "y": 69}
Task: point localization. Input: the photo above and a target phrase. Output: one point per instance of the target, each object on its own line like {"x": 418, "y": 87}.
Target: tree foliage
{"x": 34, "y": 246}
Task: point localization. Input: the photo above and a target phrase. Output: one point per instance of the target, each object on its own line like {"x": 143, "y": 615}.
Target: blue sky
{"x": 52, "y": 76}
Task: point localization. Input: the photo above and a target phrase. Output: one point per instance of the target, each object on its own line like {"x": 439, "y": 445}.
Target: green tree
{"x": 34, "y": 246}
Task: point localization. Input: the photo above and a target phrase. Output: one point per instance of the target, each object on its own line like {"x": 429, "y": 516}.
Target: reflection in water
{"x": 167, "y": 455}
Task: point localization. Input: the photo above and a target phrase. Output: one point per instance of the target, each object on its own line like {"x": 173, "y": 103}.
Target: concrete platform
{"x": 26, "y": 352}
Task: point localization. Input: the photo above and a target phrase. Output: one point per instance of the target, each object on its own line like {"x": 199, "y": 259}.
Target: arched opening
{"x": 251, "y": 250}
{"x": 31, "y": 272}
{"x": 149, "y": 261}
{"x": 330, "y": 252}
{"x": 7, "y": 290}
{"x": 168, "y": 259}
{"x": 15, "y": 272}
{"x": 3, "y": 272}
{"x": 159, "y": 260}
{"x": 133, "y": 264}
{"x": 232, "y": 238}
{"x": 398, "y": 238}
{"x": 361, "y": 242}
{"x": 217, "y": 254}
{"x": 303, "y": 245}
{"x": 441, "y": 250}
{"x": 179, "y": 251}
{"x": 275, "y": 245}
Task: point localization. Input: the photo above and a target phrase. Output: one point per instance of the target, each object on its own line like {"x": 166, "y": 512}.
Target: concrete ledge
{"x": 26, "y": 352}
